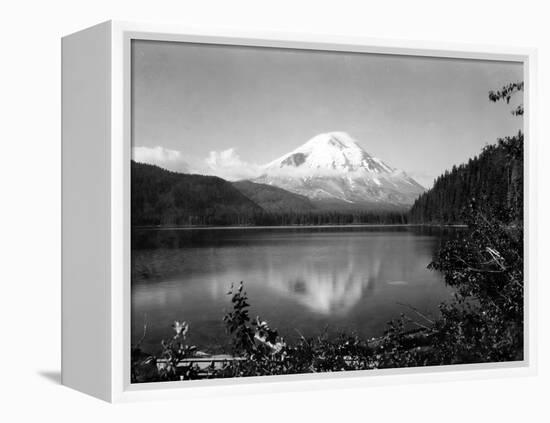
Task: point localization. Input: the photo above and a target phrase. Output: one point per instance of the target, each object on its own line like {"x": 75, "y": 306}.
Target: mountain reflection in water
{"x": 351, "y": 279}
{"x": 324, "y": 285}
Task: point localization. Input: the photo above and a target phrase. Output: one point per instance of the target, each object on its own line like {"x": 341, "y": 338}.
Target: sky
{"x": 226, "y": 110}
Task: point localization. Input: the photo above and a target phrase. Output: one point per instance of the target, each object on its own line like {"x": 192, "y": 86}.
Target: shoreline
{"x": 359, "y": 225}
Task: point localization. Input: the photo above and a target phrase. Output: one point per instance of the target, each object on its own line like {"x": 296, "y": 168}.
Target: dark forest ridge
{"x": 162, "y": 197}
{"x": 491, "y": 182}
{"x": 273, "y": 199}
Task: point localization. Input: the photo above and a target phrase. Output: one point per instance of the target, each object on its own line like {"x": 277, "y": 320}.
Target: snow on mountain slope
{"x": 333, "y": 166}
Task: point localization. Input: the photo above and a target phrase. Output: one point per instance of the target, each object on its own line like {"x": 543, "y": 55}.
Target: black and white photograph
{"x": 283, "y": 211}
{"x": 308, "y": 211}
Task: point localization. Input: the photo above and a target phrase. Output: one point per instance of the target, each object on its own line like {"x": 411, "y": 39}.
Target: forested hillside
{"x": 491, "y": 182}
{"x": 273, "y": 199}
{"x": 161, "y": 197}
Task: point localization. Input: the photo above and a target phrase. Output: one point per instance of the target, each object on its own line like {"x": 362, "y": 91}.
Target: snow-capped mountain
{"x": 333, "y": 166}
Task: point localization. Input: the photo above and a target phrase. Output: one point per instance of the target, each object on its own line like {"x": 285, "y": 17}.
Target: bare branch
{"x": 415, "y": 310}
{"x": 144, "y": 330}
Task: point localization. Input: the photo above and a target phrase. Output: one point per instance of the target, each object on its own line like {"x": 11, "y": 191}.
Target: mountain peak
{"x": 333, "y": 165}
{"x": 328, "y": 153}
{"x": 334, "y": 139}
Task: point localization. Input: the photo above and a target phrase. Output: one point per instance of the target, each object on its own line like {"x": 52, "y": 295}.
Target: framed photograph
{"x": 247, "y": 212}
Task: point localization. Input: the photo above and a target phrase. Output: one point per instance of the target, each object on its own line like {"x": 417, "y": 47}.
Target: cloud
{"x": 226, "y": 164}
{"x": 225, "y": 158}
{"x": 160, "y": 156}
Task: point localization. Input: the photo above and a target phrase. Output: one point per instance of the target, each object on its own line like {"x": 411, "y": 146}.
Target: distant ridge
{"x": 273, "y": 199}
{"x": 161, "y": 197}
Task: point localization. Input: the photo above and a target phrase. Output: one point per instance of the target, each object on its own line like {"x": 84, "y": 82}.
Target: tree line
{"x": 491, "y": 182}
{"x": 290, "y": 218}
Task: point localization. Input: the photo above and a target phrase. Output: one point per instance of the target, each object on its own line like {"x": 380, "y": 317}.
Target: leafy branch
{"x": 506, "y": 93}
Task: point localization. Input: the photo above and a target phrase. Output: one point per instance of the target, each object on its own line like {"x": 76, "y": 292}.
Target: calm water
{"x": 298, "y": 279}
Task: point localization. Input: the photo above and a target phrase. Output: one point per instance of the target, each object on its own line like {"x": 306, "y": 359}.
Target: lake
{"x": 301, "y": 280}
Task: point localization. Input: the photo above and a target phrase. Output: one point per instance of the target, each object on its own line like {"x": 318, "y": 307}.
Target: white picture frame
{"x": 96, "y": 153}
